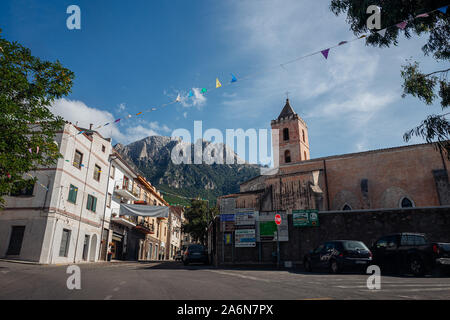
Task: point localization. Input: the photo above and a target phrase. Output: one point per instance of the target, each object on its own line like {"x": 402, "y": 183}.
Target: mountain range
{"x": 179, "y": 182}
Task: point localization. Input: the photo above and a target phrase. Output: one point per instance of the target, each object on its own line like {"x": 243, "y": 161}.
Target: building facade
{"x": 60, "y": 223}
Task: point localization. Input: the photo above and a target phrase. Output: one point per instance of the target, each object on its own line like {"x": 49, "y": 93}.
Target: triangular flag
{"x": 204, "y": 90}
{"x": 138, "y": 113}
{"x": 218, "y": 84}
{"x": 129, "y": 116}
{"x": 106, "y": 124}
{"x": 80, "y": 132}
{"x": 423, "y": 15}
{"x": 117, "y": 120}
{"x": 341, "y": 43}
{"x": 190, "y": 93}
{"x": 233, "y": 78}
{"x": 402, "y": 25}
{"x": 325, "y": 53}
{"x": 382, "y": 32}
{"x": 363, "y": 36}
{"x": 443, "y": 9}
{"x": 178, "y": 99}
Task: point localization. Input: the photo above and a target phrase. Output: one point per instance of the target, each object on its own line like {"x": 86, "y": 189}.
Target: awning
{"x": 143, "y": 210}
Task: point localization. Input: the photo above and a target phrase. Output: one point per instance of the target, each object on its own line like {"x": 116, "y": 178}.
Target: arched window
{"x": 287, "y": 156}
{"x": 285, "y": 134}
{"x": 303, "y": 135}
{"x": 346, "y": 207}
{"x": 406, "y": 203}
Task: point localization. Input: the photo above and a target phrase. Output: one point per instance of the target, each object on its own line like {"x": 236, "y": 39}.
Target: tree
{"x": 198, "y": 216}
{"x": 28, "y": 86}
{"x": 428, "y": 87}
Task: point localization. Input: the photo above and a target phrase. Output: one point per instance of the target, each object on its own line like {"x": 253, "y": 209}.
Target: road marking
{"x": 5, "y": 271}
{"x": 116, "y": 289}
{"x": 108, "y": 298}
{"x": 239, "y": 275}
{"x": 411, "y": 290}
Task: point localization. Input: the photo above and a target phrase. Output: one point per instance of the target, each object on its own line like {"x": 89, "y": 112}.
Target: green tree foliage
{"x": 28, "y": 86}
{"x": 198, "y": 216}
{"x": 429, "y": 86}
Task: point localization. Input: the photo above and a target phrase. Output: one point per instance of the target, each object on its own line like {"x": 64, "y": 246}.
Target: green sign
{"x": 267, "y": 228}
{"x": 305, "y": 218}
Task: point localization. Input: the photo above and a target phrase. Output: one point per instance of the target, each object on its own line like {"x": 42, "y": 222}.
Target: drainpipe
{"x": 104, "y": 207}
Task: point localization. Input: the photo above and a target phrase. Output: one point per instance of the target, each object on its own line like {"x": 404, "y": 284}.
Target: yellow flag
{"x": 218, "y": 84}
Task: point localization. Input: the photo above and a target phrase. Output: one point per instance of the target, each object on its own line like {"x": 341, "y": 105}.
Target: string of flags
{"x": 324, "y": 52}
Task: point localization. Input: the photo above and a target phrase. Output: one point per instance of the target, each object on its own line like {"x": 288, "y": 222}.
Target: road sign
{"x": 277, "y": 219}
{"x": 305, "y": 218}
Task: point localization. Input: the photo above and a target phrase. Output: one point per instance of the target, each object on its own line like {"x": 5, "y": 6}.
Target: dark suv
{"x": 409, "y": 252}
{"x": 339, "y": 255}
{"x": 195, "y": 253}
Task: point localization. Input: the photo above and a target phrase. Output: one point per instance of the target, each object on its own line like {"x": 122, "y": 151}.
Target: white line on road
{"x": 239, "y": 275}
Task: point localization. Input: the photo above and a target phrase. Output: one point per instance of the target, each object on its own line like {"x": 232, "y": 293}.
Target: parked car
{"x": 178, "y": 255}
{"x": 338, "y": 255}
{"x": 195, "y": 253}
{"x": 410, "y": 253}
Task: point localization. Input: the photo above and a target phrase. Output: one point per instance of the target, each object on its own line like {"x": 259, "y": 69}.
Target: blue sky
{"x": 130, "y": 56}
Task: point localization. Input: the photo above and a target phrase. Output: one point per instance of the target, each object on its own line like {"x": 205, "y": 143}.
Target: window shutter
{"x": 94, "y": 205}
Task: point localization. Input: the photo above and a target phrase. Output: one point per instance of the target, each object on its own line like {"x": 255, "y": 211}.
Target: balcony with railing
{"x": 145, "y": 227}
{"x": 125, "y": 221}
{"x": 126, "y": 191}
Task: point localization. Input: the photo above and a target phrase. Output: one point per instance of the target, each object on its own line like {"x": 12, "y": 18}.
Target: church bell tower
{"x": 292, "y": 144}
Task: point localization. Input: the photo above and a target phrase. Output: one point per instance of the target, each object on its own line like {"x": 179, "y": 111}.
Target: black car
{"x": 409, "y": 252}
{"x": 339, "y": 255}
{"x": 195, "y": 253}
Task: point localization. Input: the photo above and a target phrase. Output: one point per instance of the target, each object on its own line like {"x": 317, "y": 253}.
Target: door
{"x": 85, "y": 247}
{"x": 15, "y": 241}
{"x": 315, "y": 256}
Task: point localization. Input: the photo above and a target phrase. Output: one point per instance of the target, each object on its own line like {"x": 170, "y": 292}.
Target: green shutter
{"x": 94, "y": 204}
{"x": 73, "y": 194}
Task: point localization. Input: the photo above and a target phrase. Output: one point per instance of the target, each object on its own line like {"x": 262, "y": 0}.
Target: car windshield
{"x": 196, "y": 248}
{"x": 354, "y": 245}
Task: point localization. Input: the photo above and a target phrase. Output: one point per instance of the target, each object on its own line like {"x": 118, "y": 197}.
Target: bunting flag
{"x": 204, "y": 90}
{"x": 80, "y": 132}
{"x": 138, "y": 113}
{"x": 443, "y": 9}
{"x": 129, "y": 116}
{"x": 233, "y": 78}
{"x": 106, "y": 124}
{"x": 423, "y": 15}
{"x": 382, "y": 32}
{"x": 325, "y": 53}
{"x": 363, "y": 36}
{"x": 402, "y": 25}
{"x": 117, "y": 120}
{"x": 190, "y": 93}
{"x": 178, "y": 99}
{"x": 218, "y": 84}
{"x": 341, "y": 43}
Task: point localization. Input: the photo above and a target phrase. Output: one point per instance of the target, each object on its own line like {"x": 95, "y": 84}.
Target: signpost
{"x": 278, "y": 222}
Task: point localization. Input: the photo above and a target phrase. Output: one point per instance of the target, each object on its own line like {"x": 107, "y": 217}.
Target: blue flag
{"x": 443, "y": 9}
{"x": 233, "y": 78}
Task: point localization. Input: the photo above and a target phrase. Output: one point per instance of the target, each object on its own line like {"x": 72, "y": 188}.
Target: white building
{"x": 61, "y": 224}
{"x": 175, "y": 231}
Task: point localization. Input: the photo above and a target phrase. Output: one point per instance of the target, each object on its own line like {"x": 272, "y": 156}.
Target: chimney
{"x": 90, "y": 126}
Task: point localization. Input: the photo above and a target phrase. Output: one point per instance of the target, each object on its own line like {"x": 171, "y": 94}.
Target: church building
{"x": 399, "y": 177}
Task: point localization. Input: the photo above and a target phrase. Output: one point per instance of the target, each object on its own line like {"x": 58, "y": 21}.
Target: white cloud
{"x": 197, "y": 100}
{"x": 79, "y": 113}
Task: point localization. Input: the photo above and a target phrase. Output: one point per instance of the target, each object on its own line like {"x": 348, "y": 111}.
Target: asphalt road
{"x": 172, "y": 280}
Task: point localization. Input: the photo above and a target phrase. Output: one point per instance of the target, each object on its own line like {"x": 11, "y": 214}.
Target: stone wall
{"x": 364, "y": 225}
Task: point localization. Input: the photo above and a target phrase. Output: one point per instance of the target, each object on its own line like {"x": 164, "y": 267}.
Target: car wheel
{"x": 308, "y": 266}
{"x": 416, "y": 266}
{"x": 334, "y": 267}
